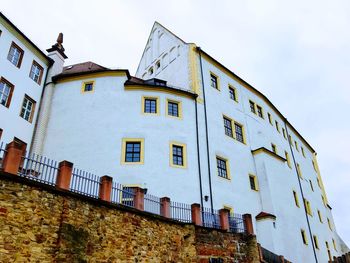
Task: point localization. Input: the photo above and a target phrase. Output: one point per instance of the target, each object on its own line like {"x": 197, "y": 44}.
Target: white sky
{"x": 296, "y": 52}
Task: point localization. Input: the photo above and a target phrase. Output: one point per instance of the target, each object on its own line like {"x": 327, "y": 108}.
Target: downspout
{"x": 206, "y": 130}
{"x": 301, "y": 190}
{"x": 198, "y": 155}
{"x": 40, "y": 105}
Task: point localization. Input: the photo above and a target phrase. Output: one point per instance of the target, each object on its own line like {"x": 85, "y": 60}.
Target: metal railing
{"x": 123, "y": 195}
{"x": 181, "y": 212}
{"x": 269, "y": 256}
{"x": 236, "y": 223}
{"x": 85, "y": 183}
{"x": 210, "y": 218}
{"x": 39, "y": 168}
{"x": 152, "y": 204}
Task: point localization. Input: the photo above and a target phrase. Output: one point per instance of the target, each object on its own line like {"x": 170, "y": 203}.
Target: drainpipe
{"x": 198, "y": 154}
{"x": 301, "y": 190}
{"x": 206, "y": 131}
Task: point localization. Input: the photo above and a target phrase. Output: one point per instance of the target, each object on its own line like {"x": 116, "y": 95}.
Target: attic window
{"x": 158, "y": 64}
{"x": 150, "y": 71}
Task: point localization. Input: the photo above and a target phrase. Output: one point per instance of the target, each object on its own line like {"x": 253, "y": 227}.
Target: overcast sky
{"x": 297, "y": 53}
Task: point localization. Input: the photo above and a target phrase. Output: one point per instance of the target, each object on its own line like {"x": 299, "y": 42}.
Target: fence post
{"x": 224, "y": 219}
{"x": 281, "y": 258}
{"x": 347, "y": 257}
{"x": 105, "y": 189}
{"x": 139, "y": 198}
{"x": 165, "y": 207}
{"x": 248, "y": 223}
{"x": 13, "y": 157}
{"x": 260, "y": 252}
{"x": 196, "y": 214}
{"x": 64, "y": 175}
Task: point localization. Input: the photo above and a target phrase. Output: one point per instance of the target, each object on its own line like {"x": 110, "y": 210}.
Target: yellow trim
{"x": 123, "y": 151}
{"x": 92, "y": 76}
{"x": 299, "y": 171}
{"x": 270, "y": 118}
{"x": 316, "y": 242}
{"x": 284, "y": 133}
{"x": 184, "y": 154}
{"x": 228, "y": 207}
{"x": 334, "y": 244}
{"x": 243, "y": 131}
{"x": 303, "y": 233}
{"x": 82, "y": 90}
{"x": 296, "y": 145}
{"x": 193, "y": 67}
{"x": 255, "y": 109}
{"x": 158, "y": 89}
{"x": 179, "y": 108}
{"x": 255, "y": 182}
{"x": 296, "y": 198}
{"x": 227, "y": 167}
{"x": 319, "y": 179}
{"x": 320, "y": 216}
{"x": 303, "y": 152}
{"x": 329, "y": 224}
{"x": 277, "y": 126}
{"x": 234, "y": 91}
{"x": 307, "y": 207}
{"x": 290, "y": 140}
{"x": 217, "y": 80}
{"x": 271, "y": 153}
{"x": 274, "y": 148}
{"x": 151, "y": 98}
{"x": 288, "y": 159}
{"x": 232, "y": 128}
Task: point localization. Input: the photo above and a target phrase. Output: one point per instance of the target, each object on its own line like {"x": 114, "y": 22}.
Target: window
{"x": 334, "y": 245}
{"x": 274, "y": 148}
{"x": 239, "y": 132}
{"x": 150, "y": 105}
{"x": 288, "y": 159}
{"x": 28, "y": 107}
{"x": 296, "y": 145}
{"x": 36, "y": 72}
{"x": 87, "y": 86}
{"x": 270, "y": 118}
{"x": 158, "y": 64}
{"x": 329, "y": 252}
{"x": 214, "y": 81}
{"x": 319, "y": 216}
{"x": 253, "y": 182}
{"x": 311, "y": 186}
{"x": 150, "y": 71}
{"x": 15, "y": 55}
{"x": 178, "y": 155}
{"x": 296, "y": 199}
{"x": 132, "y": 151}
{"x": 284, "y": 133}
{"x": 314, "y": 165}
{"x": 302, "y": 151}
{"x": 290, "y": 140}
{"x": 299, "y": 171}
{"x": 174, "y": 108}
{"x": 233, "y": 93}
{"x": 316, "y": 242}
{"x": 318, "y": 182}
{"x": 277, "y": 126}
{"x": 329, "y": 224}
{"x": 252, "y": 106}
{"x": 260, "y": 111}
{"x": 127, "y": 195}
{"x": 303, "y": 236}
{"x": 228, "y": 127}
{"x": 6, "y": 90}
{"x": 307, "y": 207}
{"x": 1, "y": 133}
{"x": 222, "y": 166}
{"x": 324, "y": 201}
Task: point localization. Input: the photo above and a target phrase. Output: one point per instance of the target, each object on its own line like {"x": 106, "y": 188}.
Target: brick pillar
{"x": 139, "y": 198}
{"x": 196, "y": 214}
{"x": 281, "y": 258}
{"x": 248, "y": 223}
{"x": 347, "y": 257}
{"x": 105, "y": 188}
{"x": 64, "y": 175}
{"x": 13, "y": 157}
{"x": 165, "y": 207}
{"x": 224, "y": 219}
{"x": 260, "y": 252}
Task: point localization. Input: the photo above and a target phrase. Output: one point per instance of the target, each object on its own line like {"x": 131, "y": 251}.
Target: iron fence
{"x": 2, "y": 152}
{"x": 210, "y": 218}
{"x": 123, "y": 195}
{"x": 269, "y": 256}
{"x": 181, "y": 212}
{"x": 152, "y": 204}
{"x": 236, "y": 223}
{"x": 85, "y": 183}
{"x": 38, "y": 168}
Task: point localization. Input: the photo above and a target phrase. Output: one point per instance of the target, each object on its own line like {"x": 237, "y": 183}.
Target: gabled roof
{"x": 263, "y": 215}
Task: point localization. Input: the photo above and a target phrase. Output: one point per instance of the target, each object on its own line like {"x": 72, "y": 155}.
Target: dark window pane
{"x": 150, "y": 106}
{"x": 221, "y": 165}
{"x": 239, "y": 132}
{"x": 228, "y": 127}
{"x": 133, "y": 152}
{"x": 173, "y": 109}
{"x": 177, "y": 155}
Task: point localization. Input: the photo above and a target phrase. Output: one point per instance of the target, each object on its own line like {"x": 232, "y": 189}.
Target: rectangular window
{"x": 334, "y": 245}
{"x": 296, "y": 199}
{"x": 302, "y": 151}
{"x": 260, "y": 111}
{"x": 214, "y": 81}
{"x": 329, "y": 252}
{"x": 299, "y": 171}
{"x": 239, "y": 132}
{"x": 127, "y": 195}
{"x": 303, "y": 236}
{"x": 252, "y": 106}
{"x": 277, "y": 126}
{"x": 311, "y": 185}
{"x": 132, "y": 151}
{"x": 1, "y": 133}
{"x": 270, "y": 118}
{"x": 36, "y": 72}
{"x": 28, "y": 108}
{"x": 290, "y": 140}
{"x": 173, "y": 108}
{"x": 329, "y": 224}
{"x": 307, "y": 207}
{"x": 150, "y": 105}
{"x": 233, "y": 93}
{"x": 284, "y": 133}
{"x": 316, "y": 242}
{"x": 319, "y": 216}
{"x": 253, "y": 182}
{"x": 178, "y": 155}
{"x": 288, "y": 159}
{"x": 15, "y": 55}
{"x": 87, "y": 86}
{"x": 296, "y": 145}
{"x": 228, "y": 127}
{"x": 274, "y": 148}
{"x": 6, "y": 90}
{"x": 222, "y": 168}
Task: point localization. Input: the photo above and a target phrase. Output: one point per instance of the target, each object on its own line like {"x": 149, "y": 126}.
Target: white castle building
{"x": 185, "y": 127}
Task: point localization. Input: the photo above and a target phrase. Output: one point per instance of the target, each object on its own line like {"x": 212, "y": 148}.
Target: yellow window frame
{"x": 123, "y": 151}
{"x": 234, "y": 91}
{"x": 217, "y": 80}
{"x": 296, "y": 198}
{"x": 85, "y": 83}
{"x": 179, "y": 108}
{"x": 256, "y": 184}
{"x": 304, "y": 237}
{"x": 184, "y": 154}
{"x": 227, "y": 167}
{"x": 288, "y": 159}
{"x": 144, "y": 98}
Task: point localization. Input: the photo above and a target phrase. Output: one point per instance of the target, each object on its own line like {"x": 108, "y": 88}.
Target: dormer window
{"x": 158, "y": 64}
{"x": 15, "y": 55}
{"x": 36, "y": 72}
{"x": 150, "y": 71}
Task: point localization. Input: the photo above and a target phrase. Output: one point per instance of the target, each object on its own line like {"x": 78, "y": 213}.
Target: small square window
{"x": 239, "y": 132}
{"x": 173, "y": 109}
{"x": 132, "y": 151}
{"x": 222, "y": 168}
{"x": 228, "y": 127}
{"x": 36, "y": 72}
{"x": 15, "y": 55}
{"x": 87, "y": 86}
{"x": 150, "y": 105}
{"x": 28, "y": 107}
{"x": 6, "y": 90}
{"x": 214, "y": 81}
